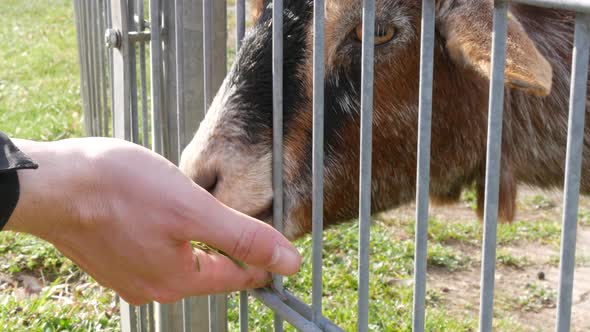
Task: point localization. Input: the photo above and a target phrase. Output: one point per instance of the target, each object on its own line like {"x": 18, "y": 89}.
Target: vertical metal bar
{"x": 156, "y": 72}
{"x": 111, "y": 67}
{"x": 575, "y": 146}
{"x": 128, "y": 317}
{"x": 494, "y": 149}
{"x": 151, "y": 317}
{"x": 423, "y": 169}
{"x": 208, "y": 94}
{"x": 277, "y": 155}
{"x": 243, "y": 311}
{"x": 88, "y": 44}
{"x": 89, "y": 61}
{"x": 143, "y": 318}
{"x": 186, "y": 315}
{"x": 180, "y": 112}
{"x": 240, "y": 22}
{"x": 121, "y": 81}
{"x": 179, "y": 41}
{"x": 97, "y": 43}
{"x": 365, "y": 162}
{"x": 102, "y": 64}
{"x": 133, "y": 73}
{"x": 121, "y": 117}
{"x": 82, "y": 54}
{"x": 207, "y": 56}
{"x": 143, "y": 76}
{"x": 318, "y": 157}
{"x": 240, "y": 32}
{"x": 160, "y": 311}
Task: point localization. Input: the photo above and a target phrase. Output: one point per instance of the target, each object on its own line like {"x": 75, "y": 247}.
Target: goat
{"x": 230, "y": 154}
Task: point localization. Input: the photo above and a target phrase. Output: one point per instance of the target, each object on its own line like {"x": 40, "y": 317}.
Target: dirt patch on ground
{"x": 527, "y": 293}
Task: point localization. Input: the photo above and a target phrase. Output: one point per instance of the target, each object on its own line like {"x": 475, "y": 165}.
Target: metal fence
{"x": 165, "y": 117}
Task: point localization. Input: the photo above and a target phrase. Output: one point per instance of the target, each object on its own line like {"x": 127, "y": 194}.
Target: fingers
{"x": 244, "y": 238}
{"x": 218, "y": 274}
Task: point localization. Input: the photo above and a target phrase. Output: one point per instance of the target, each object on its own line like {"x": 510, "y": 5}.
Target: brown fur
{"x": 257, "y": 8}
{"x": 459, "y": 118}
{"x": 538, "y": 65}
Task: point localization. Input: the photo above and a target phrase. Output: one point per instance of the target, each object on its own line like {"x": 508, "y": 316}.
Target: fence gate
{"x": 159, "y": 102}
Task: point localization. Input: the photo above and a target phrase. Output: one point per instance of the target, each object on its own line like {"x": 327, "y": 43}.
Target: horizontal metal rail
{"x": 580, "y": 6}
{"x": 307, "y": 312}
{"x": 282, "y": 310}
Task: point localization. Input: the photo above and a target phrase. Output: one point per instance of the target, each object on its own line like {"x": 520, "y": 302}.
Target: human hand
{"x": 127, "y": 216}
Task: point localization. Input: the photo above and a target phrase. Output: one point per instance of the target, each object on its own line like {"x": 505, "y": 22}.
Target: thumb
{"x": 243, "y": 238}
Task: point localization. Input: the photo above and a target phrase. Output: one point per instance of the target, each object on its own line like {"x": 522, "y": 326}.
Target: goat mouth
{"x": 265, "y": 214}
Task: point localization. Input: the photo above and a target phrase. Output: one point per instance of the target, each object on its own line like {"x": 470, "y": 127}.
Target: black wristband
{"x": 9, "y": 194}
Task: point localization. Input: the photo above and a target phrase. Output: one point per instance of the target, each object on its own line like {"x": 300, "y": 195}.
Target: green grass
{"x": 390, "y": 286}
{"x": 584, "y": 216}
{"x": 39, "y": 78}
{"x": 537, "y": 296}
{"x": 70, "y": 301}
{"x": 509, "y": 260}
{"x": 542, "y": 231}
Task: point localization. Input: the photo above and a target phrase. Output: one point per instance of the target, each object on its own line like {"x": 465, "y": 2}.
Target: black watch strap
{"x": 11, "y": 160}
{"x": 9, "y": 194}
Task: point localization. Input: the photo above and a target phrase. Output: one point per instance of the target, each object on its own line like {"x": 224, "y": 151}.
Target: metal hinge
{"x": 112, "y": 37}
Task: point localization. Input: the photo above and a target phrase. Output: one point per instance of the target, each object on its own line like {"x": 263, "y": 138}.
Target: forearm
{"x": 47, "y": 193}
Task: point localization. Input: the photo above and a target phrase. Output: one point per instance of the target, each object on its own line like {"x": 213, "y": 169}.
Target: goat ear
{"x": 257, "y": 9}
{"x": 467, "y": 27}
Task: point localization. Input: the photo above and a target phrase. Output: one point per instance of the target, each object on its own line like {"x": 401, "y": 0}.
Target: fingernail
{"x": 285, "y": 257}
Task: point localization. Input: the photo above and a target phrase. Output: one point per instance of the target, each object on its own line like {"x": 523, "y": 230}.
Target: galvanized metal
{"x": 423, "y": 168}
{"x": 160, "y": 310}
{"x": 122, "y": 120}
{"x": 133, "y": 74}
{"x": 271, "y": 300}
{"x": 121, "y": 98}
{"x": 109, "y": 22}
{"x": 582, "y": 6}
{"x": 128, "y": 317}
{"x": 573, "y": 174}
{"x": 240, "y": 32}
{"x": 139, "y": 36}
{"x": 207, "y": 56}
{"x": 368, "y": 51}
{"x": 304, "y": 310}
{"x": 102, "y": 61}
{"x": 318, "y": 157}
{"x": 156, "y": 75}
{"x": 92, "y": 67}
{"x": 143, "y": 73}
{"x": 180, "y": 112}
{"x": 143, "y": 319}
{"x": 240, "y": 22}
{"x": 277, "y": 146}
{"x": 243, "y": 311}
{"x": 494, "y": 149}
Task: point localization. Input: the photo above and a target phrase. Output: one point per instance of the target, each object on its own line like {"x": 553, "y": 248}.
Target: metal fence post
{"x": 573, "y": 172}
{"x": 181, "y": 118}
{"x": 494, "y": 150}
{"x": 121, "y": 114}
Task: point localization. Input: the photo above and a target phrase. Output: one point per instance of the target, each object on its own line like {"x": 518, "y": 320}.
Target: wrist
{"x": 48, "y": 197}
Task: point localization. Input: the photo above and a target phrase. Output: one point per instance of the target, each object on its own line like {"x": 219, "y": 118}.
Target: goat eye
{"x": 383, "y": 34}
